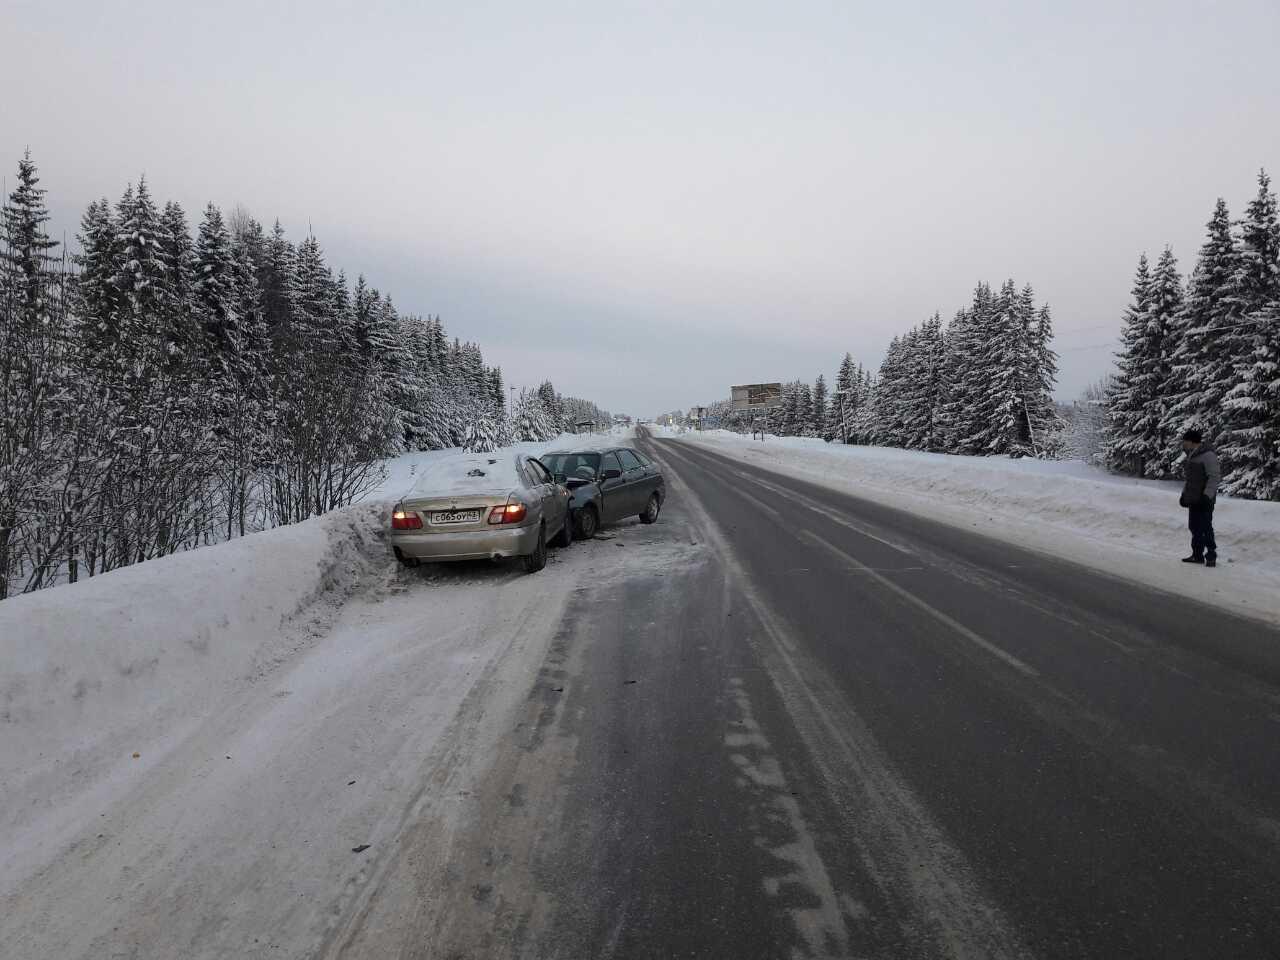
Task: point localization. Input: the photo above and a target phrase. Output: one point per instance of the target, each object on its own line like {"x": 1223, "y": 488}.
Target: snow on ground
{"x": 1133, "y": 528}
{"x": 192, "y": 748}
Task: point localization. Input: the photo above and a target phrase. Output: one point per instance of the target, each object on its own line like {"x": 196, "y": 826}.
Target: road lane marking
{"x": 1012, "y": 593}
{"x": 806, "y": 501}
{"x": 915, "y": 601}
{"x": 893, "y": 831}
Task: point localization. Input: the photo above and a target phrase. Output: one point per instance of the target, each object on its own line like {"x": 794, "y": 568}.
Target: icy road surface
{"x": 782, "y": 722}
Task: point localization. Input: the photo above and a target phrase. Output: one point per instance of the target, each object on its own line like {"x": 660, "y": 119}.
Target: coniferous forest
{"x": 1200, "y": 352}
{"x": 981, "y": 385}
{"x": 159, "y": 391}
{"x": 1204, "y": 353}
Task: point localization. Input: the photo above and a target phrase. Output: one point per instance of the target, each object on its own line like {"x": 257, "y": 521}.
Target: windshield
{"x": 584, "y": 466}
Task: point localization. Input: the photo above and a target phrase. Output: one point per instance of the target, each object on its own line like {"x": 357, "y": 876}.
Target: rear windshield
{"x": 467, "y": 473}
{"x": 584, "y": 466}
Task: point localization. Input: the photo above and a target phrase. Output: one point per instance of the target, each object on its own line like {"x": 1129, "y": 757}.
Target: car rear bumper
{"x": 466, "y": 544}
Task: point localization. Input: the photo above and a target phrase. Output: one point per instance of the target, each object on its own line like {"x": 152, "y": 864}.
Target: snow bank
{"x": 96, "y": 676}
{"x": 1133, "y": 528}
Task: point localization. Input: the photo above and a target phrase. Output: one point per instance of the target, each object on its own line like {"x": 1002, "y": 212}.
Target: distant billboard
{"x": 756, "y": 396}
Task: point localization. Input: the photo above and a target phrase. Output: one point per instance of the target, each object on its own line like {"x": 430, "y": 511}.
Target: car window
{"x": 641, "y": 457}
{"x": 538, "y": 472}
{"x": 610, "y": 462}
{"x": 583, "y": 466}
{"x": 629, "y": 461}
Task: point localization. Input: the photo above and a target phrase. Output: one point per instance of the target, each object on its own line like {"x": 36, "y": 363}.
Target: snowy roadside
{"x": 1132, "y": 528}
{"x": 192, "y": 749}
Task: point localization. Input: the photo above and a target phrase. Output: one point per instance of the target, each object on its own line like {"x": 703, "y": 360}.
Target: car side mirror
{"x": 611, "y": 474}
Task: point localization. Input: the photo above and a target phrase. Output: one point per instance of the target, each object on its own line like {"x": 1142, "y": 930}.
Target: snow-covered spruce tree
{"x": 277, "y": 278}
{"x": 890, "y": 396}
{"x": 552, "y": 415}
{"x": 482, "y": 435}
{"x": 97, "y": 297}
{"x": 32, "y": 441}
{"x": 1004, "y": 367}
{"x": 331, "y": 422}
{"x": 844, "y": 391}
{"x": 863, "y": 420}
{"x": 965, "y": 373}
{"x": 782, "y": 418}
{"x": 498, "y": 393}
{"x": 1203, "y": 369}
{"x": 1043, "y": 379}
{"x": 213, "y": 305}
{"x": 821, "y": 410}
{"x": 1164, "y": 307}
{"x": 804, "y": 424}
{"x": 186, "y": 337}
{"x": 529, "y": 421}
{"x": 241, "y": 376}
{"x": 1127, "y": 447}
{"x": 923, "y": 390}
{"x": 214, "y": 288}
{"x": 161, "y": 460}
{"x": 1136, "y": 404}
{"x": 1251, "y": 442}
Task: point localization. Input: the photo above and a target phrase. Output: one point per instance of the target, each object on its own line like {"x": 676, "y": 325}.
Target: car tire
{"x": 588, "y": 522}
{"x": 651, "y": 510}
{"x": 533, "y": 562}
{"x": 565, "y": 537}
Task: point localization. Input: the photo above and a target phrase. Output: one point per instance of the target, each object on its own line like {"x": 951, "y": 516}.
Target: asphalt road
{"x": 816, "y": 726}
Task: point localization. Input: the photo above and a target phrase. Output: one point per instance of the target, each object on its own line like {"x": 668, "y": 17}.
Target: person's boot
{"x": 1210, "y": 561}
{"x": 1193, "y": 559}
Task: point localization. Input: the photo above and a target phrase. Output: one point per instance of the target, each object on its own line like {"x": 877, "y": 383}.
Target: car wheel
{"x": 565, "y": 537}
{"x": 535, "y": 561}
{"x": 588, "y": 522}
{"x": 651, "y": 510}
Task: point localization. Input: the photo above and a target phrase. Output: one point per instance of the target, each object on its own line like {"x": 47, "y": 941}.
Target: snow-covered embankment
{"x": 128, "y": 662}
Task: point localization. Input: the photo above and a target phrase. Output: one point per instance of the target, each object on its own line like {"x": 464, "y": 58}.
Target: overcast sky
{"x": 648, "y": 203}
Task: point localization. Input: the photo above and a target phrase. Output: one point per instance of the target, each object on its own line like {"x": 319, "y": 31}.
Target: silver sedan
{"x": 482, "y": 506}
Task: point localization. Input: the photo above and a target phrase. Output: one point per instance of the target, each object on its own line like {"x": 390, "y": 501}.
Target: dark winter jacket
{"x": 1203, "y": 474}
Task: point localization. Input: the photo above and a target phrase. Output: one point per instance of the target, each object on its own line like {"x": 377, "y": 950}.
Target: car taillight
{"x": 403, "y": 520}
{"x": 510, "y": 513}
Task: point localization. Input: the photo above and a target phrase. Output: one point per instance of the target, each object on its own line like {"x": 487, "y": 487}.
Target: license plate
{"x": 455, "y": 516}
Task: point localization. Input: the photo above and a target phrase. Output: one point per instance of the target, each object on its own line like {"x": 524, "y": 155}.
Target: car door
{"x": 615, "y": 489}
{"x": 638, "y": 481}
{"x": 553, "y": 506}
{"x": 652, "y": 475}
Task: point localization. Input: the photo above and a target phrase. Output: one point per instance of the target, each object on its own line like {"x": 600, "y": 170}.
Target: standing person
{"x": 1199, "y": 494}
